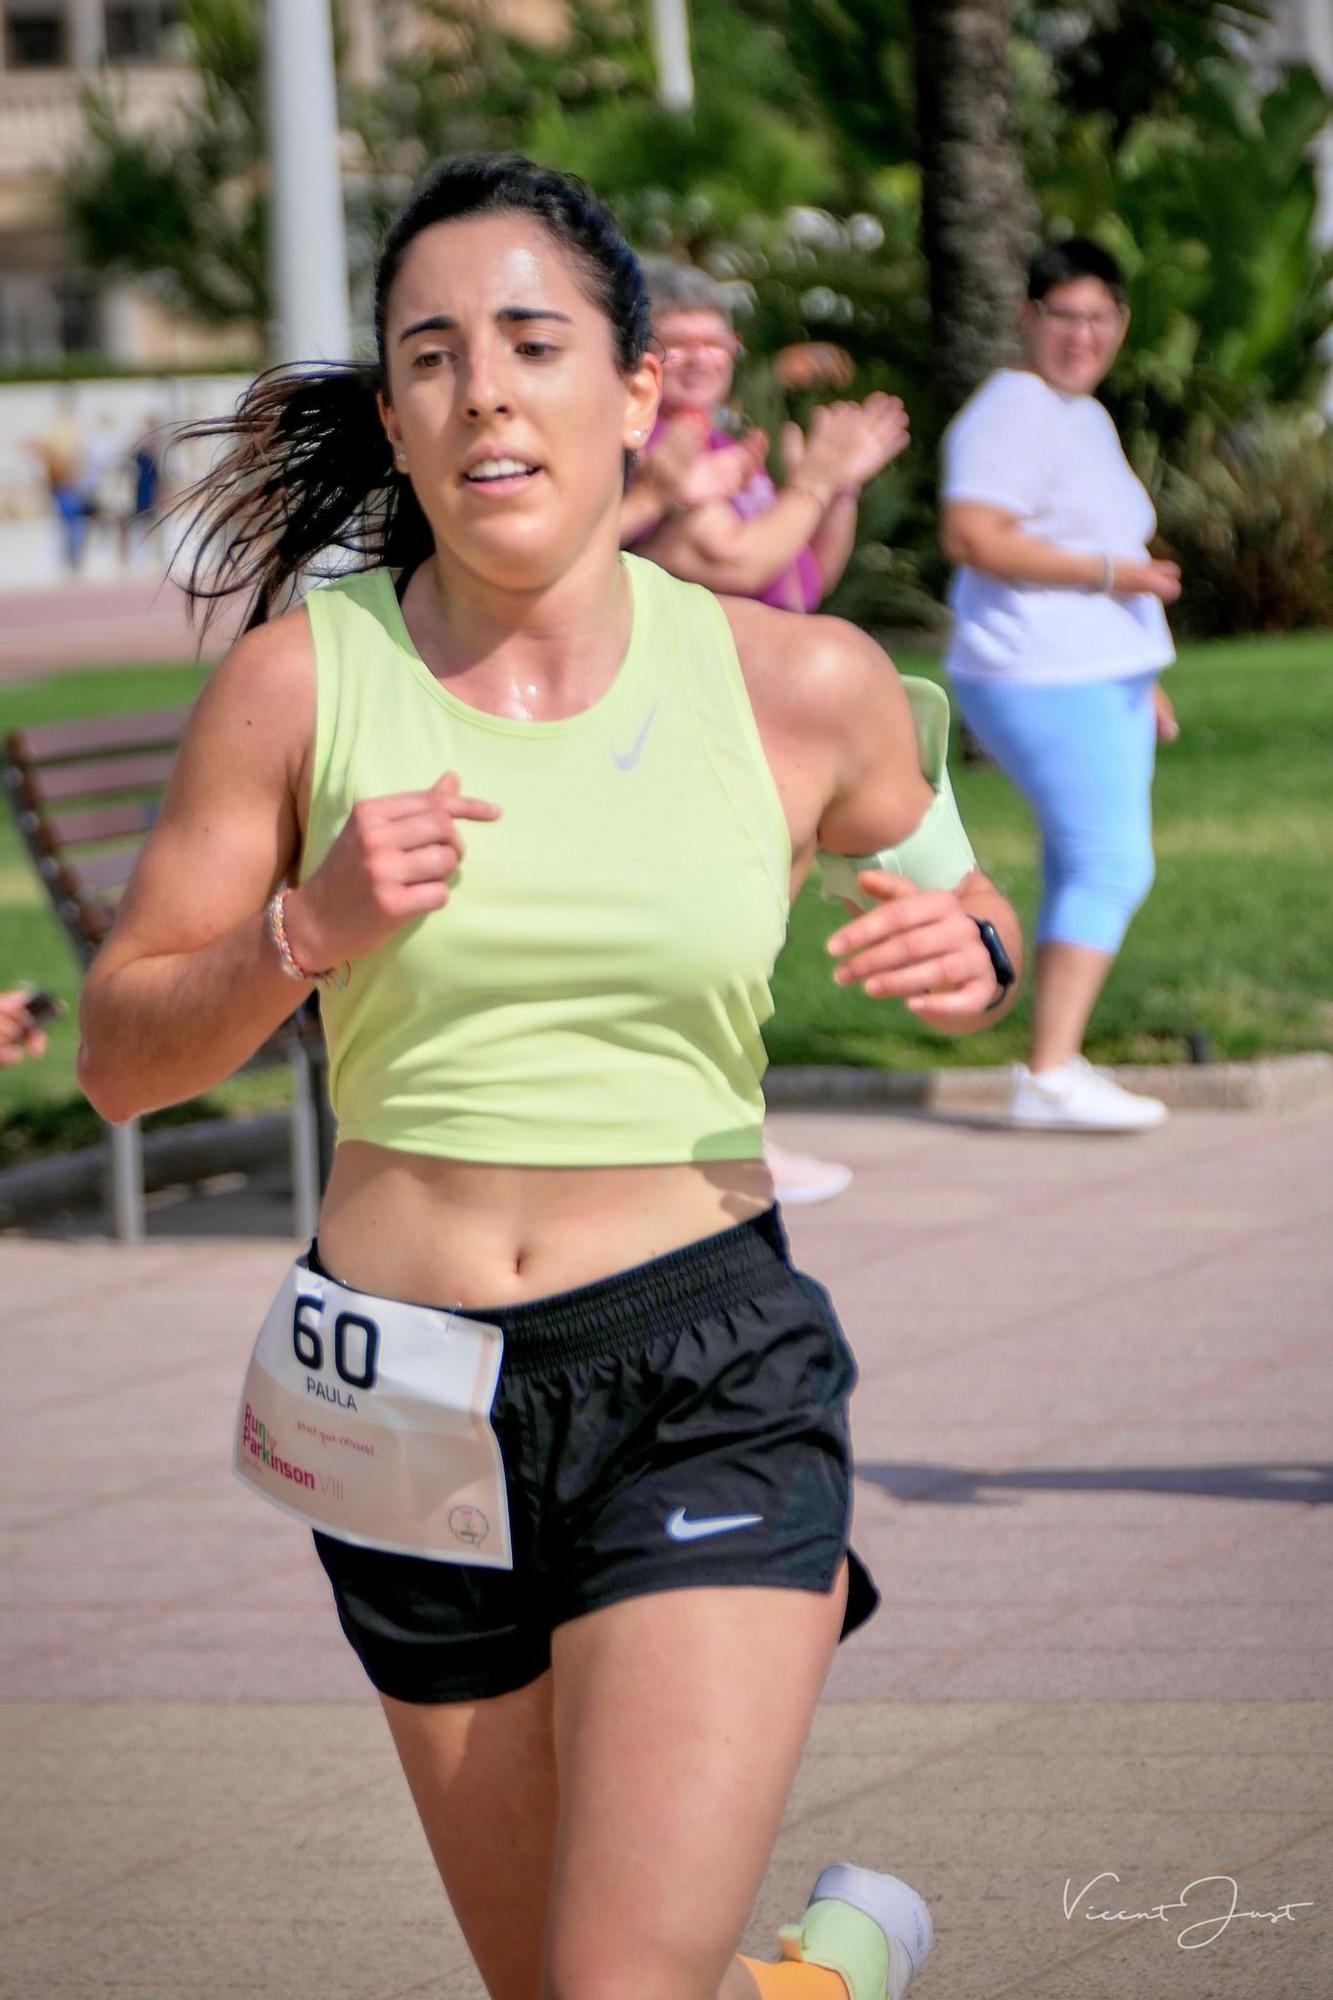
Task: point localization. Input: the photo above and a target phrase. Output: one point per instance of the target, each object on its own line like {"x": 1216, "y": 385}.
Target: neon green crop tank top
{"x": 593, "y": 991}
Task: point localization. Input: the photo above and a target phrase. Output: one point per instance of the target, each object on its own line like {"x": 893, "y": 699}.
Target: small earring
{"x": 637, "y": 436}
{"x": 401, "y": 459}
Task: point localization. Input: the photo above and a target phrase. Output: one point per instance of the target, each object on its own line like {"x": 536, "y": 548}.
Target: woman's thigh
{"x": 483, "y": 1778}
{"x": 1081, "y": 755}
{"x": 679, "y": 1723}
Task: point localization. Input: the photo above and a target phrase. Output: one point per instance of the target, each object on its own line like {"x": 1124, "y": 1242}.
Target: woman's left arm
{"x": 866, "y": 795}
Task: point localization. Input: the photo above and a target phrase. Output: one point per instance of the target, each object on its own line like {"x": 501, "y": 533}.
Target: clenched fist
{"x": 394, "y": 859}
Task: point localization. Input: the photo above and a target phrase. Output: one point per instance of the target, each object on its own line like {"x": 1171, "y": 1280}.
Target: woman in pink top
{"x": 787, "y": 547}
{"x": 706, "y": 510}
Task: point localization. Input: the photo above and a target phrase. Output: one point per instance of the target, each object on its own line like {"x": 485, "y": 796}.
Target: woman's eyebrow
{"x": 507, "y": 316}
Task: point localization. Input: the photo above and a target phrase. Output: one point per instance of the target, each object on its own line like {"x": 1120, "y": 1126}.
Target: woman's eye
{"x": 537, "y": 349}
{"x": 431, "y": 357}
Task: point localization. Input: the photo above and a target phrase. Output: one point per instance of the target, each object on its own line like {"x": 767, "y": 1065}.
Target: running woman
{"x": 542, "y": 808}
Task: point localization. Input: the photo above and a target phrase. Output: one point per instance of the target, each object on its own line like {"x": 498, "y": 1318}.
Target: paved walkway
{"x": 101, "y": 624}
{"x": 1093, "y": 1438}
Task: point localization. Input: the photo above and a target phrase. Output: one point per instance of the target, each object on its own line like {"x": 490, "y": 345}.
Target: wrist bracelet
{"x": 1107, "y": 583}
{"x": 333, "y": 975}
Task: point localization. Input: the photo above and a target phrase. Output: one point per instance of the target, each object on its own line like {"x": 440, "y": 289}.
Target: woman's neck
{"x": 538, "y": 653}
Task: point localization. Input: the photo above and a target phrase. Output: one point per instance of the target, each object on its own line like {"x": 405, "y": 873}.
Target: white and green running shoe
{"x": 872, "y": 1930}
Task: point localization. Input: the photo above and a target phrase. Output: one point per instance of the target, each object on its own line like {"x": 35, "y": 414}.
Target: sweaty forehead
{"x": 479, "y": 265}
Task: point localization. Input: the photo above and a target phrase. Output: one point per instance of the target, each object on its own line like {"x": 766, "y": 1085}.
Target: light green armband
{"x": 937, "y": 853}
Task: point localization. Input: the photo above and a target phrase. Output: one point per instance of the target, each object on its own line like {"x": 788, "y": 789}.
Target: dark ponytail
{"x": 309, "y": 468}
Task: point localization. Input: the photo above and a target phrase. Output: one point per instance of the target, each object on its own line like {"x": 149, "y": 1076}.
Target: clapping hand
{"x": 848, "y": 443}
{"x": 686, "y": 474}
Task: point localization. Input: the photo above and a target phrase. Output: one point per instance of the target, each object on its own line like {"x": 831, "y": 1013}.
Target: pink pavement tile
{"x": 1122, "y": 1675}
{"x": 150, "y": 1576}
{"x": 230, "y": 1650}
{"x": 32, "y": 1633}
{"x": 1214, "y": 1629}
{"x": 309, "y": 1672}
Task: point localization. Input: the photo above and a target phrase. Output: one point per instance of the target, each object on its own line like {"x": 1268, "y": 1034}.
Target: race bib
{"x": 370, "y": 1419}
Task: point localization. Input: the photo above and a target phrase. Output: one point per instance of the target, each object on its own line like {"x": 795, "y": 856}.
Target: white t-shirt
{"x": 1055, "y": 461}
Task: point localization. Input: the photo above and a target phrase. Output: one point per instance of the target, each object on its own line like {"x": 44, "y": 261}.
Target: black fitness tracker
{"x": 1001, "y": 963}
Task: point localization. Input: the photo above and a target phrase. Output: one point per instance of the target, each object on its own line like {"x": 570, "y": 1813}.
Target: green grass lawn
{"x": 1235, "y": 942}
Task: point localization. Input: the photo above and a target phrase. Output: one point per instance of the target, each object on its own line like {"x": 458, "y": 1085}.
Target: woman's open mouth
{"x": 501, "y": 474}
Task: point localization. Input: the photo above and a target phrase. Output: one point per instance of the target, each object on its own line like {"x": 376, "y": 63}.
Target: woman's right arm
{"x": 188, "y": 983}
{"x": 992, "y": 540}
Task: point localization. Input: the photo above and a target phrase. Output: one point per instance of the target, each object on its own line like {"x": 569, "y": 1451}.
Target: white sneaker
{"x": 799, "y": 1178}
{"x": 1075, "y": 1097}
{"x": 872, "y": 1930}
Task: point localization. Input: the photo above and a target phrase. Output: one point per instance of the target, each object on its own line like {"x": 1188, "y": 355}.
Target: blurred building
{"x": 50, "y": 52}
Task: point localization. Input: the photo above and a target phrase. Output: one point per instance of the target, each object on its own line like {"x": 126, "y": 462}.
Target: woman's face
{"x": 1074, "y": 334}
{"x": 507, "y": 399}
{"x": 700, "y": 359}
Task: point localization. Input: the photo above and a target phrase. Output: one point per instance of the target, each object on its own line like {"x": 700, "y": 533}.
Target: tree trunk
{"x": 978, "y": 220}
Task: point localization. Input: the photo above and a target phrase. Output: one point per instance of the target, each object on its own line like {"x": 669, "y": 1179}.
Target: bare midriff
{"x": 459, "y": 1233}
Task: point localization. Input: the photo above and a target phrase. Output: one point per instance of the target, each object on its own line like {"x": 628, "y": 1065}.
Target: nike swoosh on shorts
{"x": 681, "y": 1530}
{"x": 627, "y": 759}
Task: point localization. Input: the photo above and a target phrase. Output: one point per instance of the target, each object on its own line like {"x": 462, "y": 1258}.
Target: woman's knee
{"x": 1090, "y": 896}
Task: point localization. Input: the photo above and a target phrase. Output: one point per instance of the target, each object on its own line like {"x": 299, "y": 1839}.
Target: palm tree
{"x": 977, "y": 215}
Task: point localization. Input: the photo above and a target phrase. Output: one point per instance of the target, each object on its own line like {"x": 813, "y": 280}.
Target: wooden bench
{"x": 84, "y": 795}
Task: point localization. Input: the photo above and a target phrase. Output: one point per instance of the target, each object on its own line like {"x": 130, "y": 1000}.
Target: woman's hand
{"x": 837, "y": 454}
{"x": 1149, "y": 578}
{"x": 919, "y": 946}
{"x": 393, "y": 860}
{"x": 888, "y": 430}
{"x": 18, "y": 1036}
{"x": 1164, "y": 715}
{"x": 848, "y": 444}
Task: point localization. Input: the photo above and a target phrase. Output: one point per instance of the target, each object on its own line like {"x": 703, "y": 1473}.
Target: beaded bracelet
{"x": 333, "y": 975}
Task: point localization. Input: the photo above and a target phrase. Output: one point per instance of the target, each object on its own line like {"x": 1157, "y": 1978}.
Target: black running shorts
{"x": 680, "y": 1424}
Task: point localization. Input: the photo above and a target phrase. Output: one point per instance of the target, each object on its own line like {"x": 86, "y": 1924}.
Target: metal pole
{"x": 125, "y": 1144}
{"x": 85, "y": 21}
{"x": 309, "y": 252}
{"x": 671, "y": 43}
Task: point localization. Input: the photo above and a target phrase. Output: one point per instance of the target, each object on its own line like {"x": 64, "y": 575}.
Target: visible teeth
{"x": 498, "y": 468}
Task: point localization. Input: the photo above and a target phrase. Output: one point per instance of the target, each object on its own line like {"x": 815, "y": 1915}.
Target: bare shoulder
{"x": 261, "y": 697}
{"x": 836, "y": 723}
{"x": 269, "y": 671}
{"x": 822, "y": 674}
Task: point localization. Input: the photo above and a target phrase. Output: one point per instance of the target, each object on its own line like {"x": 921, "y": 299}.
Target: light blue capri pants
{"x": 1082, "y": 756}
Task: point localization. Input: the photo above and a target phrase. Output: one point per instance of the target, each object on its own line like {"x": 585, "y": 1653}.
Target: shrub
{"x": 1249, "y": 518}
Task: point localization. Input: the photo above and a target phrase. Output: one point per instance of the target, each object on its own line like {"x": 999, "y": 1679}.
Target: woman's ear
{"x": 644, "y": 393}
{"x": 389, "y": 421}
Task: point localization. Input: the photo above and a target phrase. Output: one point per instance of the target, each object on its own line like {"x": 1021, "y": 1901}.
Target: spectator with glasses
{"x": 1059, "y": 639}
{"x": 702, "y": 506}
{"x": 786, "y": 547}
